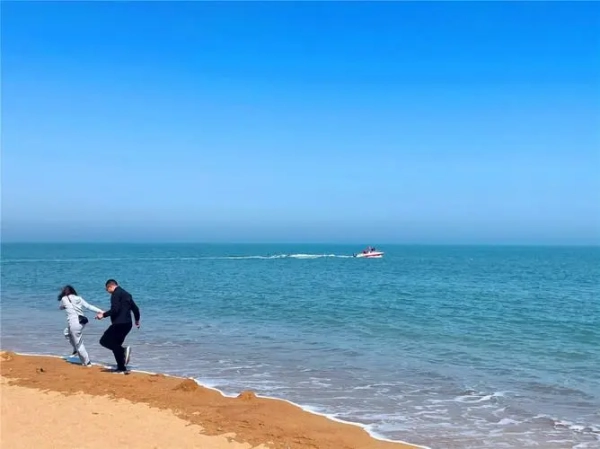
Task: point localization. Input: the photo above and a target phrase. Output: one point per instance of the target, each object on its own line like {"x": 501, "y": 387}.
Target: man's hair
{"x": 111, "y": 282}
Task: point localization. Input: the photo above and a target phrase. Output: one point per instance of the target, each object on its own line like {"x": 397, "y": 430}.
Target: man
{"x": 121, "y": 308}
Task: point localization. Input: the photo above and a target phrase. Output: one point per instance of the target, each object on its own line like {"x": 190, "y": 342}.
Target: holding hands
{"x": 100, "y": 315}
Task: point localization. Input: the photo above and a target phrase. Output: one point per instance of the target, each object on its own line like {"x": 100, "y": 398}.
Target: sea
{"x": 449, "y": 347}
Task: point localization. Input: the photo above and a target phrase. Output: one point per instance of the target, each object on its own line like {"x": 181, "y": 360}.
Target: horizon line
{"x": 166, "y": 242}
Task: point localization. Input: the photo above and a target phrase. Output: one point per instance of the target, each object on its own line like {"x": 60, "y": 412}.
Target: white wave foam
{"x": 477, "y": 398}
{"x": 507, "y": 421}
{"x": 576, "y": 427}
{"x": 586, "y": 446}
{"x": 332, "y": 417}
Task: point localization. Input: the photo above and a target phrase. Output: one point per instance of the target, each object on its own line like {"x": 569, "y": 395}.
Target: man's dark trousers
{"x": 113, "y": 339}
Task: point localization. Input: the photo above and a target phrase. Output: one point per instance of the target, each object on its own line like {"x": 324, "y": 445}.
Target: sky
{"x": 407, "y": 122}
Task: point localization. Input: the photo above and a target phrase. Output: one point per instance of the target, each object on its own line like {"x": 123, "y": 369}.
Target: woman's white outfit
{"x": 73, "y": 305}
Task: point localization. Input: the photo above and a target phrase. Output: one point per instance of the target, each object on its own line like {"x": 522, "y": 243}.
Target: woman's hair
{"x": 67, "y": 290}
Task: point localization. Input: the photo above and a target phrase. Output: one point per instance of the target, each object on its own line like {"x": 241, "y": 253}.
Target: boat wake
{"x": 282, "y": 256}
{"x": 175, "y": 259}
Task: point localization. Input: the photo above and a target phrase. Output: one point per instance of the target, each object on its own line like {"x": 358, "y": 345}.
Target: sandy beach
{"x": 50, "y": 403}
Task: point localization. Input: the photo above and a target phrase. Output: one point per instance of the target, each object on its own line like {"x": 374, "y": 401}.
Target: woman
{"x": 71, "y": 303}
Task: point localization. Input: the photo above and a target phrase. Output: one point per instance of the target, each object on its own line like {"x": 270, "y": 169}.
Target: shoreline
{"x": 254, "y": 419}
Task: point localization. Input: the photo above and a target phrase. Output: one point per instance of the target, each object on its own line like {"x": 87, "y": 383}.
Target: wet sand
{"x": 50, "y": 403}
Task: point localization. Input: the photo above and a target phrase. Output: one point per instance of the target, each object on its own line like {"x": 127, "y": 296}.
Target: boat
{"x": 370, "y": 253}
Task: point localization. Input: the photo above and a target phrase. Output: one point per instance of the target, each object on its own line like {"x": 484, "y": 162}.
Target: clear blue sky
{"x": 472, "y": 122}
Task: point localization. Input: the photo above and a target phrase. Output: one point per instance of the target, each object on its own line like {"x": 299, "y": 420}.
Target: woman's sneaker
{"x": 127, "y": 355}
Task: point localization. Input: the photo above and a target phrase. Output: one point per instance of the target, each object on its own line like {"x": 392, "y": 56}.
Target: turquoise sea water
{"x": 449, "y": 347}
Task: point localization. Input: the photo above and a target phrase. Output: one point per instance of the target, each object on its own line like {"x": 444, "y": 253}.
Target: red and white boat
{"x": 370, "y": 253}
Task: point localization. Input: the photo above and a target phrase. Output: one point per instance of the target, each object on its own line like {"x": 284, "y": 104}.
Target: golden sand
{"x": 50, "y": 403}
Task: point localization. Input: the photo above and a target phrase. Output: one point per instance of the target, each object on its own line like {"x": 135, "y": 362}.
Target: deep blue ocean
{"x": 448, "y": 347}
